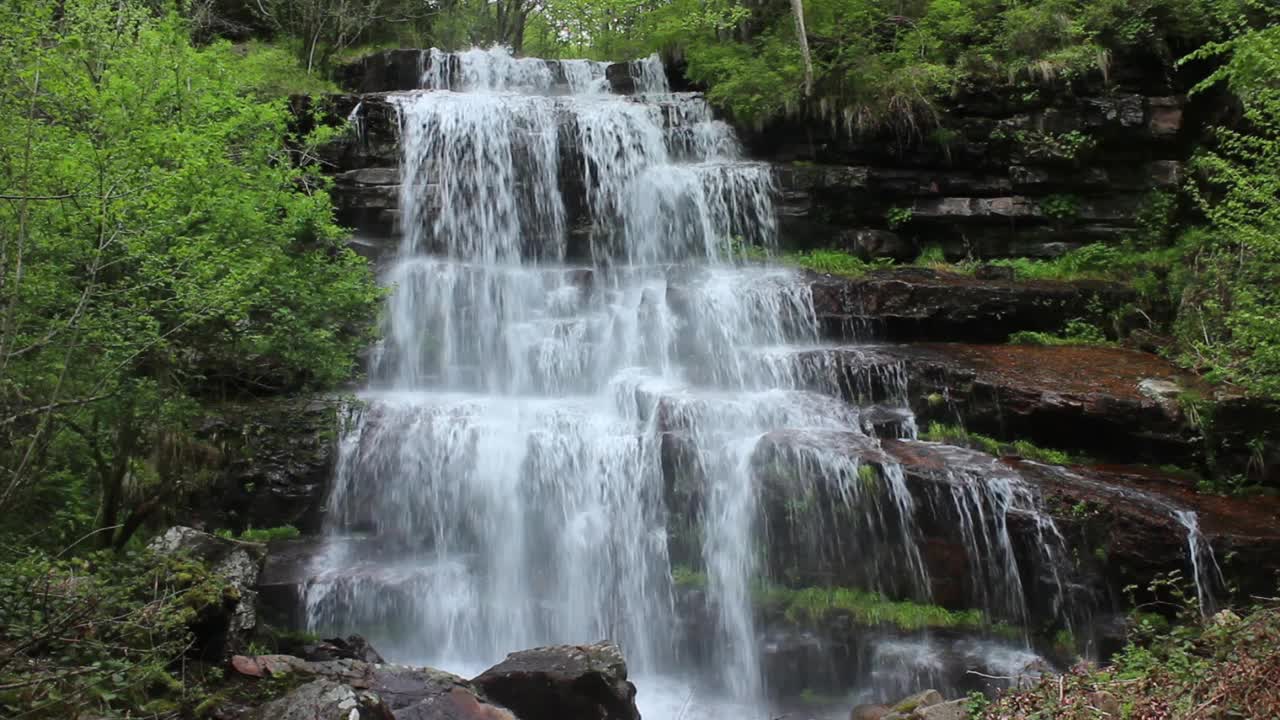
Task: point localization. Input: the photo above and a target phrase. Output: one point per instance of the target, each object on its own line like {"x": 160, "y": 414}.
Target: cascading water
{"x": 567, "y": 317}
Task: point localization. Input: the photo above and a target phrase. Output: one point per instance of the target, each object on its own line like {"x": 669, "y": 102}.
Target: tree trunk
{"x": 797, "y": 9}
{"x": 113, "y": 483}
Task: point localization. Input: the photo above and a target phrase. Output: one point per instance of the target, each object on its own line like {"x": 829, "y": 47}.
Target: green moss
{"x": 956, "y": 435}
{"x": 684, "y": 576}
{"x": 869, "y": 476}
{"x": 1064, "y": 641}
{"x": 866, "y": 608}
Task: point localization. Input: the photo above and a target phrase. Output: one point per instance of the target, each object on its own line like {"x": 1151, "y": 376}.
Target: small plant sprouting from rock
{"x": 866, "y": 608}
{"x": 263, "y": 535}
{"x": 956, "y": 435}
{"x": 896, "y": 217}
{"x": 1061, "y": 208}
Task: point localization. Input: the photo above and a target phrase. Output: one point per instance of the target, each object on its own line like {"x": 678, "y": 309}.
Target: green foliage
{"x": 100, "y": 634}
{"x": 896, "y": 217}
{"x": 1165, "y": 670}
{"x": 269, "y": 72}
{"x": 866, "y": 608}
{"x": 881, "y": 64}
{"x": 264, "y": 535}
{"x": 164, "y": 240}
{"x": 686, "y": 577}
{"x": 1060, "y": 207}
{"x": 1229, "y": 319}
{"x": 836, "y": 262}
{"x": 1076, "y": 332}
{"x": 956, "y": 435}
{"x": 932, "y": 255}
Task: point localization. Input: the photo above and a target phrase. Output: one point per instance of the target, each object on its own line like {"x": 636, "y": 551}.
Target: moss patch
{"x": 956, "y": 435}
{"x": 867, "y": 608}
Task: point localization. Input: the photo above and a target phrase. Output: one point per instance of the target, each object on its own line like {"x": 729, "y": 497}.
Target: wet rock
{"x": 275, "y": 457}
{"x": 920, "y": 303}
{"x": 563, "y": 682}
{"x": 869, "y": 712}
{"x": 385, "y": 71}
{"x": 795, "y": 660}
{"x": 1122, "y": 524}
{"x": 240, "y": 564}
{"x": 325, "y": 700}
{"x": 353, "y": 647}
{"x": 922, "y": 699}
{"x": 868, "y": 243}
{"x": 261, "y": 666}
{"x": 1112, "y": 403}
{"x": 289, "y": 567}
{"x": 993, "y": 272}
{"x": 620, "y": 78}
{"x": 953, "y": 710}
{"x": 349, "y": 689}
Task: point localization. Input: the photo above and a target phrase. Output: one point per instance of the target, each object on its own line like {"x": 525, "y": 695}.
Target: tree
{"x": 160, "y": 243}
{"x": 802, "y": 36}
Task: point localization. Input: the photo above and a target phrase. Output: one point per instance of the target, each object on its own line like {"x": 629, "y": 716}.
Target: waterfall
{"x": 1205, "y": 572}
{"x": 569, "y": 321}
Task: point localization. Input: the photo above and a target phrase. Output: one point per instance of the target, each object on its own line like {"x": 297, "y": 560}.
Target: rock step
{"x": 913, "y": 303}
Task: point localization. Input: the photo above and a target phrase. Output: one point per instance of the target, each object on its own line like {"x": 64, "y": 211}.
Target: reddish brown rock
{"x": 1115, "y": 403}
{"x": 925, "y": 304}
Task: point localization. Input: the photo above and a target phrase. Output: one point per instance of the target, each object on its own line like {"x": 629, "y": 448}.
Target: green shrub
{"x": 867, "y": 608}
{"x": 1174, "y": 671}
{"x": 100, "y": 634}
{"x": 263, "y": 535}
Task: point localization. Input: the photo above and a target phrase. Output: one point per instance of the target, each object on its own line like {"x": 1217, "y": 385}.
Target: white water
{"x": 1204, "y": 565}
{"x": 508, "y": 457}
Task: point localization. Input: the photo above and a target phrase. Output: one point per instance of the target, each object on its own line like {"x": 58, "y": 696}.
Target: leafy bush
{"x": 882, "y": 64}
{"x": 100, "y": 635}
{"x": 1223, "y": 667}
{"x": 1229, "y": 320}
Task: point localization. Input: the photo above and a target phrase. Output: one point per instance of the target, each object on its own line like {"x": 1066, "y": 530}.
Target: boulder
{"x": 325, "y": 700}
{"x": 353, "y": 647}
{"x": 953, "y": 710}
{"x": 922, "y": 699}
{"x": 1105, "y": 703}
{"x": 239, "y": 563}
{"x": 358, "y": 690}
{"x": 563, "y": 682}
{"x": 869, "y": 712}
{"x": 620, "y": 78}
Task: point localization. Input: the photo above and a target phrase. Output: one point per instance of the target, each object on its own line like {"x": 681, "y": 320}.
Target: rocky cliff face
{"x": 1008, "y": 172}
